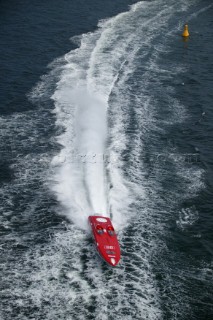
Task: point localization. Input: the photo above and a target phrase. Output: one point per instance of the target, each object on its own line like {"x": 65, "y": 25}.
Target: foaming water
{"x": 88, "y": 165}
{"x": 81, "y": 175}
{"x": 82, "y": 97}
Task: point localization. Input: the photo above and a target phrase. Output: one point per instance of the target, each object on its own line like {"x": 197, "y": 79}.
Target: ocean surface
{"x": 105, "y": 108}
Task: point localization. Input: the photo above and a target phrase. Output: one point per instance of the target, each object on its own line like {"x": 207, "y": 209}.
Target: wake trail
{"x": 81, "y": 104}
{"x": 87, "y": 82}
{"x": 81, "y": 172}
{"x": 91, "y": 133}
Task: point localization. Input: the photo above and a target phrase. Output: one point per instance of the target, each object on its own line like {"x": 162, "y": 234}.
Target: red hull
{"x": 105, "y": 239}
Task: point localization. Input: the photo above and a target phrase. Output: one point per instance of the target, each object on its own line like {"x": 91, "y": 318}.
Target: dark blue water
{"x": 87, "y": 103}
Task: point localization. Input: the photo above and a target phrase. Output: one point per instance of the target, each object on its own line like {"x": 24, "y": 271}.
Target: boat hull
{"x": 105, "y": 239}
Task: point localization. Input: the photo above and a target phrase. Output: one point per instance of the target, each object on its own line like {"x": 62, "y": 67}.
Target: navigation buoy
{"x": 185, "y": 33}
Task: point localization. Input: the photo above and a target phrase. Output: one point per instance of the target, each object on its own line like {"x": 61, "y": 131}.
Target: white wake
{"x": 81, "y": 104}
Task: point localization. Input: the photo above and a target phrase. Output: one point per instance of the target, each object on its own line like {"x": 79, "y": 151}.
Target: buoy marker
{"x": 185, "y": 33}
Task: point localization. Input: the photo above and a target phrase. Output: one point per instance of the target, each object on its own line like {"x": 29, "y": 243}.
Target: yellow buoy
{"x": 185, "y": 31}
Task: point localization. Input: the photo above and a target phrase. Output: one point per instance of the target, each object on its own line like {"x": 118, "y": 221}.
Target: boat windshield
{"x": 99, "y": 229}
{"x": 111, "y": 231}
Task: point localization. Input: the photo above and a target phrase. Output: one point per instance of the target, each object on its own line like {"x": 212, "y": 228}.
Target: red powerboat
{"x": 105, "y": 239}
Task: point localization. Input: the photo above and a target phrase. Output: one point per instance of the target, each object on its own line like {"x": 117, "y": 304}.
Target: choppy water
{"x": 120, "y": 123}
